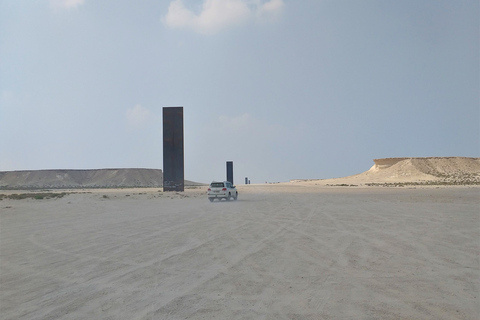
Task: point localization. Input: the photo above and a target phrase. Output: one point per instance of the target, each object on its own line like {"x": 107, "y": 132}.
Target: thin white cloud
{"x": 65, "y": 4}
{"x": 137, "y": 116}
{"x": 270, "y": 9}
{"x": 242, "y": 122}
{"x": 6, "y": 97}
{"x": 247, "y": 126}
{"x": 217, "y": 15}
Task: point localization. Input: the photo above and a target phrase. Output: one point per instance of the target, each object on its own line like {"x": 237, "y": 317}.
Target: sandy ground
{"x": 279, "y": 252}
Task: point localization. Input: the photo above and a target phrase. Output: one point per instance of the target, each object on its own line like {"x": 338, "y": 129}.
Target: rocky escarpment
{"x": 441, "y": 170}
{"x": 95, "y": 178}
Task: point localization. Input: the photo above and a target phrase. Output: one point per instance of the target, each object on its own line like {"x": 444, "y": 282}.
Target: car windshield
{"x": 217, "y": 185}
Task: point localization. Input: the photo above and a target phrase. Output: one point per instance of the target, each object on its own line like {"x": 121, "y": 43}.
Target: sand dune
{"x": 433, "y": 170}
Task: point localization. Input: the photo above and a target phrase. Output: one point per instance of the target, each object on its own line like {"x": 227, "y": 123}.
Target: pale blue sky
{"x": 285, "y": 89}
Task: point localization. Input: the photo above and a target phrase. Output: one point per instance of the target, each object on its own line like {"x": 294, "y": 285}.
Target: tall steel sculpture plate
{"x": 230, "y": 171}
{"x": 173, "y": 159}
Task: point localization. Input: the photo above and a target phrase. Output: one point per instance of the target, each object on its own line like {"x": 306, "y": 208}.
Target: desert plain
{"x": 283, "y": 251}
{"x": 305, "y": 249}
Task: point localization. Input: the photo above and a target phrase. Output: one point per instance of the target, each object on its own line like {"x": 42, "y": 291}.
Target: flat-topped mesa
{"x": 81, "y": 178}
{"x": 445, "y": 168}
{"x": 434, "y": 164}
{"x": 401, "y": 170}
{"x": 387, "y": 162}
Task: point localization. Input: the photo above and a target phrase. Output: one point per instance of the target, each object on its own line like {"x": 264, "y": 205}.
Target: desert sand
{"x": 283, "y": 251}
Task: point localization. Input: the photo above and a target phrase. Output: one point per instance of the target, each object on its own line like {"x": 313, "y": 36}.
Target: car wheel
{"x": 229, "y": 197}
{"x": 211, "y": 199}
{"x": 236, "y": 196}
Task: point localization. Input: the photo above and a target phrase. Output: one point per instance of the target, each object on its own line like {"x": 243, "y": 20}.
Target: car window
{"x": 216, "y": 184}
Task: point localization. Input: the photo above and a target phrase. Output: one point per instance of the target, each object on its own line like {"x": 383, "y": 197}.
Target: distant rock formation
{"x": 67, "y": 179}
{"x": 447, "y": 170}
{"x": 405, "y": 171}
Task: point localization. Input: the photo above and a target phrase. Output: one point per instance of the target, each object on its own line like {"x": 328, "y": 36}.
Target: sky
{"x": 285, "y": 89}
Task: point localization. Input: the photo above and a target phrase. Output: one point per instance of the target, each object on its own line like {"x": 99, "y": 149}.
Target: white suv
{"x": 222, "y": 190}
